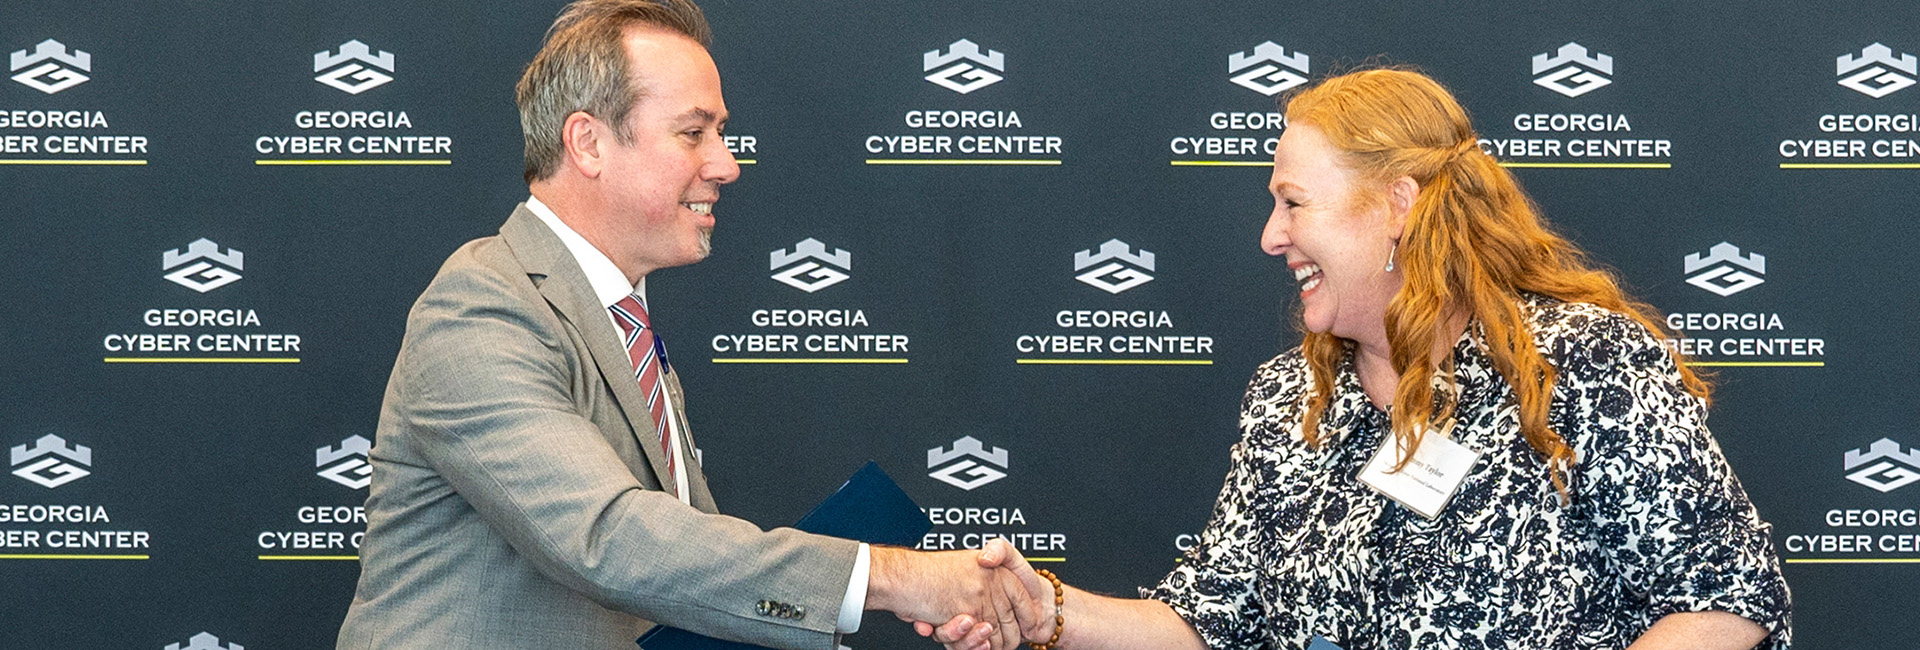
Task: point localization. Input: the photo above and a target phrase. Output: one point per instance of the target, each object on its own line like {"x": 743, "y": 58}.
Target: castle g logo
{"x": 958, "y": 54}
{"x": 195, "y": 268}
{"x": 975, "y": 474}
{"x": 52, "y": 470}
{"x": 1265, "y": 77}
{"x": 205, "y": 641}
{"x": 50, "y": 77}
{"x": 1886, "y": 467}
{"x": 810, "y": 276}
{"x": 353, "y": 77}
{"x": 347, "y": 465}
{"x": 1579, "y": 68}
{"x": 1874, "y": 81}
{"x": 1114, "y": 277}
{"x": 1717, "y": 272}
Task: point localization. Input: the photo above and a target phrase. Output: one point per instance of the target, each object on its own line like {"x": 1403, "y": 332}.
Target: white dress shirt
{"x": 610, "y": 286}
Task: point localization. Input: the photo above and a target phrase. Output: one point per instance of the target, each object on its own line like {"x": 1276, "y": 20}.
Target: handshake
{"x": 989, "y": 599}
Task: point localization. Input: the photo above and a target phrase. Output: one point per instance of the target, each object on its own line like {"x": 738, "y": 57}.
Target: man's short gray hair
{"x": 583, "y": 67}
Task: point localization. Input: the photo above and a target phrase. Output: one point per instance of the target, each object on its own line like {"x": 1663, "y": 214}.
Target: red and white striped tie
{"x": 646, "y": 351}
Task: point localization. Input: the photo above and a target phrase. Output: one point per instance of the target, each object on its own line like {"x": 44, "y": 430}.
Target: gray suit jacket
{"x": 516, "y": 495}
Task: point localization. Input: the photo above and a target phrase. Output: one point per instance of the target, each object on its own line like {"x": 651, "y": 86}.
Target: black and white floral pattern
{"x": 1658, "y": 523}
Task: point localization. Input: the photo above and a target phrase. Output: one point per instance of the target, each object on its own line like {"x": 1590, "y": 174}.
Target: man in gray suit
{"x": 533, "y": 481}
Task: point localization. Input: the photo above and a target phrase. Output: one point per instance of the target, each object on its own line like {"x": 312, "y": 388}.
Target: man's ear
{"x": 581, "y": 143}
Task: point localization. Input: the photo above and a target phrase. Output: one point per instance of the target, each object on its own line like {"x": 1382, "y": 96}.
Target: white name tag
{"x": 1428, "y": 481}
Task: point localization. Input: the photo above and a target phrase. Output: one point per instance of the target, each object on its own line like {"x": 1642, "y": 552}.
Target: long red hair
{"x": 1473, "y": 244}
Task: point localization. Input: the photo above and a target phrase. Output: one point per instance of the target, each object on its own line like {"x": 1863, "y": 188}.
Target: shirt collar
{"x": 608, "y": 282}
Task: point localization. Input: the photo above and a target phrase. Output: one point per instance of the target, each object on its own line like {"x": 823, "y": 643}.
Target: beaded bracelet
{"x": 1059, "y": 610}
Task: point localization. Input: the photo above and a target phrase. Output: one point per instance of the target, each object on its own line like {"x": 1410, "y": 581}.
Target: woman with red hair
{"x": 1453, "y": 341}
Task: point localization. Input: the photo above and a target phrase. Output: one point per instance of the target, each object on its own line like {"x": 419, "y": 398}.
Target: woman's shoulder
{"x": 1276, "y": 388}
{"x": 1582, "y": 338}
{"x": 1289, "y": 368}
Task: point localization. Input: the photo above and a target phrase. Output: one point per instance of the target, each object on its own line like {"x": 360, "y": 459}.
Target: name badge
{"x": 1438, "y": 467}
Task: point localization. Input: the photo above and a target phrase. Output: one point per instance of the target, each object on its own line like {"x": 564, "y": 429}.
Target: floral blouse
{"x": 1298, "y": 547}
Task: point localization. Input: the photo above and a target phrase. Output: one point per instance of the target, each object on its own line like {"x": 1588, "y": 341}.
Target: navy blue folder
{"x": 870, "y": 507}
{"x": 1321, "y": 643}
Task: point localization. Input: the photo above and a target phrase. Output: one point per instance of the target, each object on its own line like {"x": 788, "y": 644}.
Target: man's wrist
{"x": 884, "y": 563}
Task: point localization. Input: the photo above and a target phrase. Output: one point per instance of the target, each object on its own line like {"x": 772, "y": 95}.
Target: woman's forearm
{"x": 1701, "y": 631}
{"x": 1095, "y": 622}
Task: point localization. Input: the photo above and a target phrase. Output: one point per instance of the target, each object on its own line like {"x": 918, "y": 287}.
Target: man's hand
{"x": 951, "y": 586}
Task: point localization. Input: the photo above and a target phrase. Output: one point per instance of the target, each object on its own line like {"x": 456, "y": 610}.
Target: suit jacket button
{"x": 799, "y": 612}
{"x": 765, "y": 607}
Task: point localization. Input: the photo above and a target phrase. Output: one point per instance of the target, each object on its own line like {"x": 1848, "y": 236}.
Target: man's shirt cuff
{"x": 856, "y": 601}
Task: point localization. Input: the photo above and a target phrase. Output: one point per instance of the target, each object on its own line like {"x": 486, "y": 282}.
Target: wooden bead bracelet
{"x": 1059, "y": 610}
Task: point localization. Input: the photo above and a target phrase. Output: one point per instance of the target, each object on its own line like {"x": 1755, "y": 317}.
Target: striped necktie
{"x": 648, "y": 354}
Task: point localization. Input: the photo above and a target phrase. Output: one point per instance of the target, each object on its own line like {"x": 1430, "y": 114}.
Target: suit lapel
{"x": 565, "y": 286}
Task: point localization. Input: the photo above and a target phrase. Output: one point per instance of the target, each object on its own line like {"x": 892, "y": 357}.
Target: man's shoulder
{"x": 483, "y": 281}
{"x": 490, "y": 259}
{"x": 479, "y": 268}
{"x": 482, "y": 310}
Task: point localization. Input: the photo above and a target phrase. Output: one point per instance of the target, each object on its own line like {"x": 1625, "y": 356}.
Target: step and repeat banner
{"x": 1006, "y": 249}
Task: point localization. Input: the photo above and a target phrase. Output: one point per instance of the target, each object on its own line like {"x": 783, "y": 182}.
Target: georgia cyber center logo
{"x": 50, "y": 462}
{"x": 963, "y": 54}
{"x": 810, "y": 276}
{"x": 202, "y": 266}
{"x": 1113, "y": 277}
{"x": 346, "y": 465}
{"x": 968, "y": 465}
{"x": 1269, "y": 71}
{"x": 1876, "y": 81}
{"x": 1883, "y": 465}
{"x": 205, "y": 641}
{"x": 353, "y": 77}
{"x": 1572, "y": 63}
{"x": 50, "y": 76}
{"x": 1723, "y": 270}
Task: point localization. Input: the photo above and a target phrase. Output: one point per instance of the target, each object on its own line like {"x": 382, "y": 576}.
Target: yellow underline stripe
{"x": 369, "y": 161}
{"x": 201, "y": 360}
{"x": 71, "y": 162}
{"x": 1118, "y": 362}
{"x": 1046, "y": 559}
{"x": 748, "y": 161}
{"x": 1850, "y": 165}
{"x": 1573, "y": 165}
{"x": 73, "y": 557}
{"x": 1870, "y": 560}
{"x": 1222, "y": 163}
{"x": 809, "y": 360}
{"x": 1760, "y": 364}
{"x": 956, "y": 161}
{"x": 301, "y": 558}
